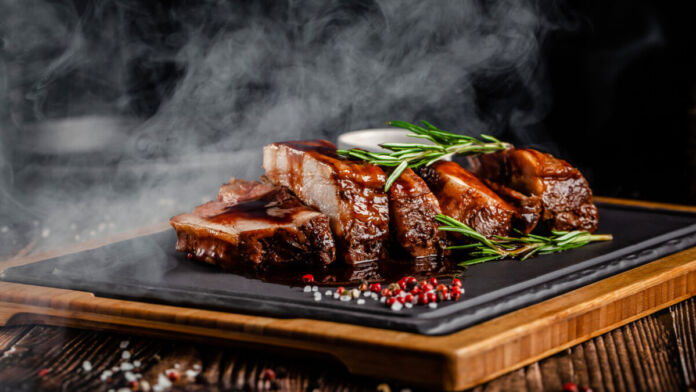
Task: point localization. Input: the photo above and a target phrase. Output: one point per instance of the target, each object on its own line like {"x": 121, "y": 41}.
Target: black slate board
{"x": 148, "y": 269}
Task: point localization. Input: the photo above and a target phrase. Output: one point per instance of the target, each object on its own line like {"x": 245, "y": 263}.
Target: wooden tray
{"x": 454, "y": 361}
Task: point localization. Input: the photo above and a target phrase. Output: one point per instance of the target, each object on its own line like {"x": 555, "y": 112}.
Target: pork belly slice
{"x": 349, "y": 192}
{"x": 272, "y": 228}
{"x": 466, "y": 198}
{"x": 237, "y": 190}
{"x": 412, "y": 210}
{"x": 566, "y": 197}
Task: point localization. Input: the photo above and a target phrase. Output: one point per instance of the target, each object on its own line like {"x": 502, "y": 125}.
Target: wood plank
{"x": 684, "y": 319}
{"x": 640, "y": 356}
{"x": 226, "y": 368}
{"x": 455, "y": 361}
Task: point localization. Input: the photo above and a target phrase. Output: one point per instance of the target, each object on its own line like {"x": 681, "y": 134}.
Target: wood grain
{"x": 233, "y": 368}
{"x": 455, "y": 361}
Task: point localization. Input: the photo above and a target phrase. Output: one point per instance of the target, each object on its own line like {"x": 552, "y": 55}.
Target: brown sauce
{"x": 342, "y": 274}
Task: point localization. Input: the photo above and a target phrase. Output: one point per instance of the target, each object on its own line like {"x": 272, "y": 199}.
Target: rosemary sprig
{"x": 522, "y": 247}
{"x": 415, "y": 155}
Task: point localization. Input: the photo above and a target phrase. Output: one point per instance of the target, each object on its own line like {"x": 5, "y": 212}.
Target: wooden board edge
{"x": 451, "y": 361}
{"x": 464, "y": 381}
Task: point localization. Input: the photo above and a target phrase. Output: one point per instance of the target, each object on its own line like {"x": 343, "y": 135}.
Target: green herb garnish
{"x": 522, "y": 247}
{"x": 415, "y": 155}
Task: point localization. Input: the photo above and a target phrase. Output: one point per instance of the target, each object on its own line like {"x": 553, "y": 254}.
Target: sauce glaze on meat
{"x": 566, "y": 197}
{"x": 349, "y": 192}
{"x": 464, "y": 197}
{"x": 267, "y": 229}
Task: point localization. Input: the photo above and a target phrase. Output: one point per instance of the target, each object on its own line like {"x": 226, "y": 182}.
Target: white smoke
{"x": 246, "y": 74}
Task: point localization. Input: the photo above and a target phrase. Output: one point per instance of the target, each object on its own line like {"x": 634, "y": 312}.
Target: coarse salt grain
{"x": 315, "y": 288}
{"x": 317, "y": 297}
{"x": 163, "y": 382}
{"x": 125, "y": 366}
{"x": 345, "y": 298}
{"x": 137, "y": 363}
{"x": 130, "y": 376}
{"x": 432, "y": 305}
{"x": 383, "y": 299}
{"x": 125, "y": 354}
{"x": 397, "y": 306}
{"x": 336, "y": 295}
{"x": 307, "y": 289}
{"x": 328, "y": 293}
{"x": 124, "y": 343}
{"x": 87, "y": 365}
{"x": 361, "y": 301}
{"x": 105, "y": 374}
{"x": 409, "y": 305}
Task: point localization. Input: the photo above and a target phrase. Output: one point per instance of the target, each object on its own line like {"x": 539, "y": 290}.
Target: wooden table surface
{"x": 656, "y": 353}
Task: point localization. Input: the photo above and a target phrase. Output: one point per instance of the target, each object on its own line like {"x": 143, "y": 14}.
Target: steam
{"x": 177, "y": 100}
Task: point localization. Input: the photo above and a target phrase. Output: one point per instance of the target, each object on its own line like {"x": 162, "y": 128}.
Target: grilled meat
{"x": 255, "y": 224}
{"x": 528, "y": 208}
{"x": 566, "y": 198}
{"x": 350, "y": 193}
{"x": 464, "y": 197}
{"x": 412, "y": 210}
{"x": 237, "y": 191}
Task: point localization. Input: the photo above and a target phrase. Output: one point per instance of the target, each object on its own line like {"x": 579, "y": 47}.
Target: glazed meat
{"x": 527, "y": 208}
{"x": 412, "y": 210}
{"x": 566, "y": 198}
{"x": 349, "y": 192}
{"x": 464, "y": 197}
{"x": 237, "y": 191}
{"x": 259, "y": 229}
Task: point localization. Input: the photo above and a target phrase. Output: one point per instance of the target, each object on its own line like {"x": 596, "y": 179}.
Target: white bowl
{"x": 370, "y": 139}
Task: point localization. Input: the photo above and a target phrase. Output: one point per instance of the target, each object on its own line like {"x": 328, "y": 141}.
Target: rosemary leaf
{"x": 415, "y": 155}
{"x": 522, "y": 248}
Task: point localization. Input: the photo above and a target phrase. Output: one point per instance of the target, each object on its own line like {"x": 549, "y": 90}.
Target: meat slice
{"x": 412, "y": 210}
{"x": 262, "y": 229}
{"x": 528, "y": 208}
{"x": 349, "y": 192}
{"x": 237, "y": 190}
{"x": 566, "y": 198}
{"x": 464, "y": 197}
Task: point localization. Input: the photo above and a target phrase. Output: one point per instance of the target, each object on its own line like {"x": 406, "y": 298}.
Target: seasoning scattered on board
{"x": 406, "y": 293}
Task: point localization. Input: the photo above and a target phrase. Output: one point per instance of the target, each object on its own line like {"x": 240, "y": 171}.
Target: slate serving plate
{"x": 148, "y": 269}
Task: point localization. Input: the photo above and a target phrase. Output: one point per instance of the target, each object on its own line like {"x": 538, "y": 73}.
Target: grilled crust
{"x": 348, "y": 192}
{"x": 308, "y": 243}
{"x": 266, "y": 228}
{"x": 466, "y": 198}
{"x": 565, "y": 196}
{"x": 412, "y": 209}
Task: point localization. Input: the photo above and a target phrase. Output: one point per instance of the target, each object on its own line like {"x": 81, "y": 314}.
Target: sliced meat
{"x": 566, "y": 198}
{"x": 269, "y": 229}
{"x": 464, "y": 197}
{"x": 412, "y": 210}
{"x": 237, "y": 191}
{"x": 349, "y": 192}
{"x": 528, "y": 208}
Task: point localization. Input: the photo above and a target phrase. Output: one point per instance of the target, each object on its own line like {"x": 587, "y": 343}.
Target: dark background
{"x": 621, "y": 82}
{"x": 608, "y": 86}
